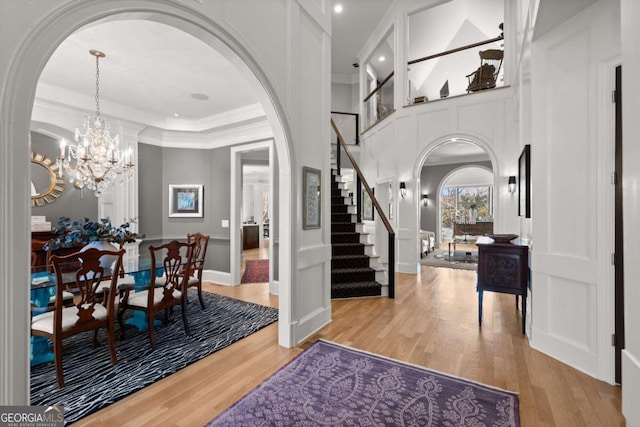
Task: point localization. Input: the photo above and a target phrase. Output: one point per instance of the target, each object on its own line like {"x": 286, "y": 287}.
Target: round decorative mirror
{"x": 46, "y": 185}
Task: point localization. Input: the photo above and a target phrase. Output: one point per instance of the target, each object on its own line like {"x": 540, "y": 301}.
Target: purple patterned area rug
{"x": 332, "y": 385}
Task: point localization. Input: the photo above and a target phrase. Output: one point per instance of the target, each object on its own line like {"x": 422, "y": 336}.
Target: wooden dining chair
{"x": 89, "y": 313}
{"x": 162, "y": 293}
{"x": 199, "y": 253}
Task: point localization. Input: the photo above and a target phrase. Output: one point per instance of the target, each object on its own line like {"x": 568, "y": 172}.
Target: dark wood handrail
{"x": 392, "y": 235}
{"x": 458, "y": 49}
{"x": 378, "y": 87}
{"x": 385, "y": 221}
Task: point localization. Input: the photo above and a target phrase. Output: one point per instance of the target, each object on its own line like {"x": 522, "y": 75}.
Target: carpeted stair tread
{"x": 351, "y": 274}
{"x": 356, "y": 289}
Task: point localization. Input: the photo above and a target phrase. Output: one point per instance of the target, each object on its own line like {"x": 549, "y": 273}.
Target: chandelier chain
{"x": 97, "y": 86}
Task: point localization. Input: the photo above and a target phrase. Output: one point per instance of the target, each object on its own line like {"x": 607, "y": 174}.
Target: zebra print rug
{"x": 91, "y": 382}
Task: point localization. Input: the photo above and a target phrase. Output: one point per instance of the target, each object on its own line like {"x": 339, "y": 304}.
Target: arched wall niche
{"x": 23, "y": 67}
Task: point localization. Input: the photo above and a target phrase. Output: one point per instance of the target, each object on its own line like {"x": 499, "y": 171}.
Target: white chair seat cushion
{"x": 44, "y": 322}
{"x": 65, "y": 296}
{"x": 193, "y": 281}
{"x": 127, "y": 280}
{"x": 140, "y": 299}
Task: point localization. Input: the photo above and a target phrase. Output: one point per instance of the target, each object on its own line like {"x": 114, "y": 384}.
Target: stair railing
{"x": 361, "y": 180}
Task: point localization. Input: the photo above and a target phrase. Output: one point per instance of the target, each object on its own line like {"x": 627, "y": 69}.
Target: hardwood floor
{"x": 432, "y": 322}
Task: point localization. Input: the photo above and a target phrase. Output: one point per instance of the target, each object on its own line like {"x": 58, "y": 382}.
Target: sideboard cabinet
{"x": 503, "y": 267}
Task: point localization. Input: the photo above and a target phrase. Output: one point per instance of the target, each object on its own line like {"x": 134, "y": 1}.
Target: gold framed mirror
{"x": 46, "y": 185}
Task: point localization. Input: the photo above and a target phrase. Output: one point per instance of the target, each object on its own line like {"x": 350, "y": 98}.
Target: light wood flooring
{"x": 432, "y": 322}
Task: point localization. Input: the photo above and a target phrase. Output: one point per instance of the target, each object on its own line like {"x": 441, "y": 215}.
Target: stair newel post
{"x": 392, "y": 263}
{"x": 338, "y": 155}
{"x": 358, "y": 199}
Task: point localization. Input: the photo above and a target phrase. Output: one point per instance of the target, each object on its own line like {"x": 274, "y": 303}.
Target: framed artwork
{"x": 524, "y": 182}
{"x": 367, "y": 205}
{"x": 310, "y": 198}
{"x": 185, "y": 201}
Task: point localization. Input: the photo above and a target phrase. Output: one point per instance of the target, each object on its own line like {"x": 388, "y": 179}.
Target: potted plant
{"x": 87, "y": 233}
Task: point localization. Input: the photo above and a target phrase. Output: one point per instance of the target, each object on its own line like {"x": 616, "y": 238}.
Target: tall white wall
{"x": 282, "y": 47}
{"x": 572, "y": 197}
{"x": 630, "y": 9}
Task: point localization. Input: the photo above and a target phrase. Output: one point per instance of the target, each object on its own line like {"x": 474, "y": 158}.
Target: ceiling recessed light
{"x": 200, "y": 96}
{"x": 337, "y": 8}
{"x": 382, "y": 58}
{"x": 176, "y": 114}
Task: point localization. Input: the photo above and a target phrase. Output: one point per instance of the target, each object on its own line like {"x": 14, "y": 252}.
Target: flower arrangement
{"x": 83, "y": 231}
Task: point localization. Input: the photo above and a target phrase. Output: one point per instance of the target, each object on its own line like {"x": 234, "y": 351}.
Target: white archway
{"x": 437, "y": 142}
{"x": 15, "y": 116}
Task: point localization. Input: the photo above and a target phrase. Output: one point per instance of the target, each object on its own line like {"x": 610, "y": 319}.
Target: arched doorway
{"x": 21, "y": 81}
{"x": 444, "y": 161}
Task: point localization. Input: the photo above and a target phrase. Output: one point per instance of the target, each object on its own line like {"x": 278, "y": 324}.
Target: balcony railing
{"x": 379, "y": 103}
{"x": 453, "y": 72}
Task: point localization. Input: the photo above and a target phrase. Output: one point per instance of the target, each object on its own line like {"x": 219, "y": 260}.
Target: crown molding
{"x": 84, "y": 104}
{"x": 250, "y": 124}
{"x": 212, "y": 138}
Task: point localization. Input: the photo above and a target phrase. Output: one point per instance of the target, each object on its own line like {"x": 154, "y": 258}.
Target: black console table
{"x": 503, "y": 267}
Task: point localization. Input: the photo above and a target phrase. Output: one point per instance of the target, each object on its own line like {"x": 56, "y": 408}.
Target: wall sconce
{"x": 425, "y": 199}
{"x": 512, "y": 184}
{"x": 403, "y": 189}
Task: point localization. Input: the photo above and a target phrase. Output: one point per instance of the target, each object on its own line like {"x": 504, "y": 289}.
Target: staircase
{"x": 355, "y": 271}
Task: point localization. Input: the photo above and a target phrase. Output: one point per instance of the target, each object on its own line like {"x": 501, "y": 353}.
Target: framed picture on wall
{"x": 367, "y": 205}
{"x": 524, "y": 182}
{"x": 185, "y": 201}
{"x": 310, "y": 198}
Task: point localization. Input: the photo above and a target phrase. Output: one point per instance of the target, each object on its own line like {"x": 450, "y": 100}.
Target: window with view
{"x": 458, "y": 203}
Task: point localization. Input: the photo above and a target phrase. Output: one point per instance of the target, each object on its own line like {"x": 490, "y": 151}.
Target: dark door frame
{"x": 618, "y": 340}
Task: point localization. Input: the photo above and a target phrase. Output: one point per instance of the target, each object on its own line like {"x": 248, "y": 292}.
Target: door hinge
{"x": 613, "y": 258}
{"x": 613, "y": 340}
{"x": 614, "y": 178}
{"x": 614, "y": 96}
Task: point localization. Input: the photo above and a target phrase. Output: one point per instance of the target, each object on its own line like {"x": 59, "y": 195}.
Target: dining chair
{"x": 91, "y": 312}
{"x": 177, "y": 259}
{"x": 199, "y": 253}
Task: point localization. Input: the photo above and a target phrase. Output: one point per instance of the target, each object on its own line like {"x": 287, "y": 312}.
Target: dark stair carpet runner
{"x": 351, "y": 275}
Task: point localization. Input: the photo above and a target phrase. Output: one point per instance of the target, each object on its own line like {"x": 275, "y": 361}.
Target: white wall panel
{"x": 432, "y": 123}
{"x": 570, "y": 168}
{"x": 570, "y": 303}
{"x": 478, "y": 117}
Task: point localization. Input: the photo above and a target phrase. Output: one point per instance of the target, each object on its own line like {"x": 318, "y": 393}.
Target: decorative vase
{"x": 473, "y": 215}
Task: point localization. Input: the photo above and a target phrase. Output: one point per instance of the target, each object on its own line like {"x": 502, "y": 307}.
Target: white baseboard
{"x": 408, "y": 267}
{"x": 274, "y": 287}
{"x": 310, "y": 324}
{"x": 630, "y": 388}
{"x": 218, "y": 277}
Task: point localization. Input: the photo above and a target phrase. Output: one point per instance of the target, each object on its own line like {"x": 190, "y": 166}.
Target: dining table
{"x": 137, "y": 270}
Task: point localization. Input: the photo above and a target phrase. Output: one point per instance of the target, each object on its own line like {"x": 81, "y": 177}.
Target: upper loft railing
{"x": 379, "y": 103}
{"x": 360, "y": 183}
{"x": 456, "y": 72}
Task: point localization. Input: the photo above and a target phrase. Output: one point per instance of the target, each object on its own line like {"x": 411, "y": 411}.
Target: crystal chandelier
{"x": 95, "y": 160}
